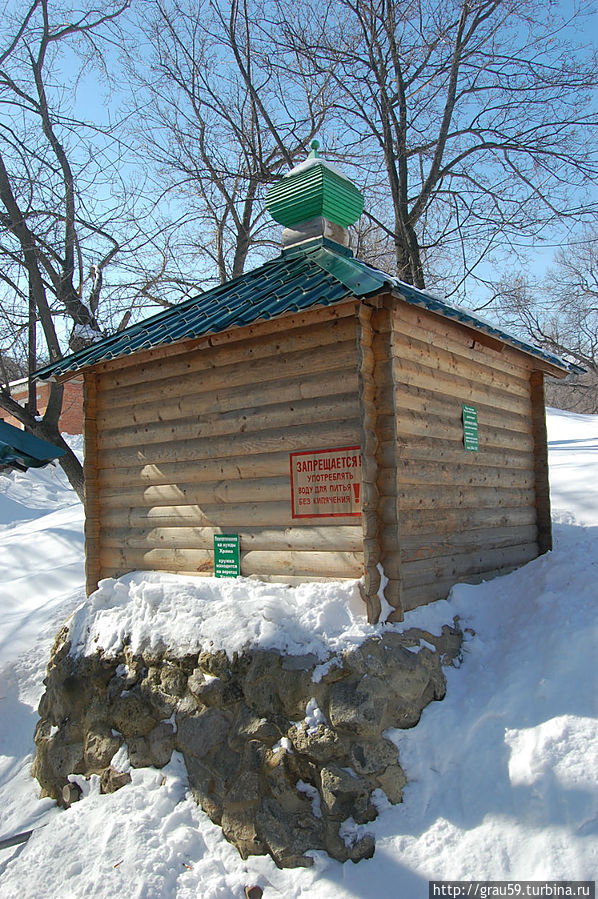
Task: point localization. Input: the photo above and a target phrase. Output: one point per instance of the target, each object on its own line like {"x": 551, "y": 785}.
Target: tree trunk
{"x": 47, "y": 429}
{"x": 73, "y": 470}
{"x": 408, "y": 258}
{"x": 69, "y": 462}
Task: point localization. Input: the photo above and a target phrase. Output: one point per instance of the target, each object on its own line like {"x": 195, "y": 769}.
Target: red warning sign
{"x": 326, "y": 483}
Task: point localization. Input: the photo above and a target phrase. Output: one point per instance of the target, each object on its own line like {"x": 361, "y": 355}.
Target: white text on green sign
{"x": 470, "y": 428}
{"x": 226, "y": 555}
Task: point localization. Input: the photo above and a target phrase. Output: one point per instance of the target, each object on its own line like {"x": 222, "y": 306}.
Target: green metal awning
{"x": 21, "y": 450}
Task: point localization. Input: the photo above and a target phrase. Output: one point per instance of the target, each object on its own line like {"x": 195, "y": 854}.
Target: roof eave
{"x": 547, "y": 362}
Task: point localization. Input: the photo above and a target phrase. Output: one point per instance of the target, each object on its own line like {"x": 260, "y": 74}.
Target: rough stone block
{"x": 131, "y": 716}
{"x": 199, "y": 735}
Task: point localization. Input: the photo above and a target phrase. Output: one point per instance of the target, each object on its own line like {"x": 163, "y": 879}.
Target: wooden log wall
{"x": 464, "y": 516}
{"x": 194, "y": 440}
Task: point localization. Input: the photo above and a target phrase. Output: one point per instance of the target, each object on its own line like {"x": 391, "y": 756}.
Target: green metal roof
{"x": 18, "y": 449}
{"x": 317, "y": 273}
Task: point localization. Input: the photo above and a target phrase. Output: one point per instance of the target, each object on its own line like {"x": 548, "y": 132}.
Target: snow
{"x": 312, "y": 161}
{"x": 503, "y": 774}
{"x": 86, "y": 332}
{"x": 161, "y": 611}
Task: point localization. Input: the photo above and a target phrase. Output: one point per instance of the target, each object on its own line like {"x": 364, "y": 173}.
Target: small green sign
{"x": 470, "y": 428}
{"x": 226, "y": 555}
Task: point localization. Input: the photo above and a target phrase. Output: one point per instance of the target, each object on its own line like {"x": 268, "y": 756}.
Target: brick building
{"x": 71, "y": 419}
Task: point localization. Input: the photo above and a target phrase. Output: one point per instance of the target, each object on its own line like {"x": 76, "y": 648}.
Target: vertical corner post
{"x": 91, "y": 492}
{"x": 542, "y": 485}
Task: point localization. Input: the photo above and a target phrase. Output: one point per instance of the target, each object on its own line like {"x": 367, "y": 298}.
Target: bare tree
{"x": 473, "y": 117}
{"x": 220, "y": 120}
{"x": 560, "y": 313}
{"x": 66, "y": 217}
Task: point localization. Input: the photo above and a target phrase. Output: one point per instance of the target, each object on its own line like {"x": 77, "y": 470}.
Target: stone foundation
{"x": 280, "y": 750}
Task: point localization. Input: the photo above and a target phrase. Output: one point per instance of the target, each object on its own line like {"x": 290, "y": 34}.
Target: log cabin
{"x": 340, "y": 423}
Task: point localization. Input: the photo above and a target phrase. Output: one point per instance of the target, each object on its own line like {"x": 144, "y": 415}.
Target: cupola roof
{"x": 314, "y": 188}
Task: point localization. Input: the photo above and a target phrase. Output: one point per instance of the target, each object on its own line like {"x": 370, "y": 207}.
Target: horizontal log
{"x": 235, "y": 374}
{"x": 228, "y": 399}
{"x": 417, "y": 474}
{"x": 409, "y": 424}
{"x": 306, "y": 539}
{"x": 456, "y": 384}
{"x": 435, "y": 359}
{"x": 296, "y": 580}
{"x": 463, "y": 498}
{"x": 246, "y": 421}
{"x": 293, "y": 581}
{"x": 461, "y": 565}
{"x": 199, "y": 361}
{"x": 253, "y": 562}
{"x": 233, "y": 517}
{"x": 432, "y": 546}
{"x": 453, "y": 334}
{"x": 451, "y": 452}
{"x": 449, "y": 521}
{"x": 309, "y": 318}
{"x": 429, "y": 403}
{"x": 292, "y": 439}
{"x": 267, "y": 490}
{"x": 457, "y": 339}
{"x": 423, "y": 594}
{"x": 197, "y": 472}
{"x": 461, "y": 475}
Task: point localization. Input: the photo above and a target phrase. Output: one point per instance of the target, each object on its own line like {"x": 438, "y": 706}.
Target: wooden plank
{"x": 411, "y": 392}
{"x": 422, "y": 594}
{"x": 249, "y": 420}
{"x": 305, "y": 539}
{"x": 311, "y": 317}
{"x": 292, "y": 439}
{"x": 173, "y": 560}
{"x": 288, "y": 579}
{"x": 254, "y": 490}
{"x": 297, "y": 580}
{"x": 418, "y": 376}
{"x": 227, "y": 399}
{"x": 542, "y": 486}
{"x": 428, "y": 402}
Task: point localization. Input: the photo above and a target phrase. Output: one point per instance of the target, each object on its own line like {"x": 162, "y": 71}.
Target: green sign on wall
{"x": 226, "y": 555}
{"x": 470, "y": 428}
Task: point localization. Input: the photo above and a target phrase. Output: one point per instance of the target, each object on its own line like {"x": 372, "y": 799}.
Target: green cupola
{"x": 314, "y": 199}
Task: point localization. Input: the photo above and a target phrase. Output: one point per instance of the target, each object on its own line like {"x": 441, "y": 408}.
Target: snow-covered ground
{"x": 503, "y": 774}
